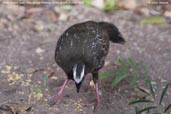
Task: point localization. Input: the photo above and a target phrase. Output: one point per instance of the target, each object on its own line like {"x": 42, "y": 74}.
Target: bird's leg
{"x": 54, "y": 99}
{"x": 95, "y": 79}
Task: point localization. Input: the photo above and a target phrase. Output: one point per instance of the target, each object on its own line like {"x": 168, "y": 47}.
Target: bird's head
{"x": 78, "y": 75}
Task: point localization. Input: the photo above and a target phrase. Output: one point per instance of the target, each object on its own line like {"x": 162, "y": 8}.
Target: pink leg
{"x": 97, "y": 96}
{"x": 54, "y": 99}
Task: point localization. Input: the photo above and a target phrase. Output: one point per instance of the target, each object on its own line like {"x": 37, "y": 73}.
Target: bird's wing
{"x": 82, "y": 42}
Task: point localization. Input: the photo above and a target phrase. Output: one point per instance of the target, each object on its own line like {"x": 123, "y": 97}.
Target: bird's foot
{"x": 52, "y": 101}
{"x": 96, "y": 105}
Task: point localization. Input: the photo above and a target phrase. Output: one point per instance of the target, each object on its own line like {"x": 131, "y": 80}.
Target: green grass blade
{"x": 119, "y": 78}
{"x": 38, "y": 90}
{"x": 132, "y": 64}
{"x": 136, "y": 72}
{"x": 123, "y": 65}
{"x": 140, "y": 101}
{"x": 67, "y": 7}
{"x": 87, "y": 2}
{"x": 153, "y": 20}
{"x": 167, "y": 108}
{"x": 108, "y": 74}
{"x": 151, "y": 87}
{"x": 163, "y": 93}
{"x": 45, "y": 80}
{"x": 147, "y": 109}
{"x": 148, "y": 112}
{"x": 109, "y": 5}
{"x": 137, "y": 110}
{"x": 134, "y": 81}
{"x": 144, "y": 67}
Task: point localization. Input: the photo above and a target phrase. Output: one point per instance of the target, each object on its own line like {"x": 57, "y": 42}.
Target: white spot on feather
{"x": 71, "y": 43}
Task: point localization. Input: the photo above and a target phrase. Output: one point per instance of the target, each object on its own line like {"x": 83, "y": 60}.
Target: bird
{"x": 81, "y": 50}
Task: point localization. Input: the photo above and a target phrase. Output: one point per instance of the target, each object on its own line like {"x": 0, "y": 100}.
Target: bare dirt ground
{"x": 28, "y": 45}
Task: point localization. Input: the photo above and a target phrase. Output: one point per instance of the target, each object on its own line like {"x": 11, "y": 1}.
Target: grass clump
{"x": 130, "y": 68}
{"x": 127, "y": 67}
{"x": 159, "y": 107}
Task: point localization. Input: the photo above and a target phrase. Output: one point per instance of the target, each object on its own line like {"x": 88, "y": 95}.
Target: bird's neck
{"x": 78, "y": 72}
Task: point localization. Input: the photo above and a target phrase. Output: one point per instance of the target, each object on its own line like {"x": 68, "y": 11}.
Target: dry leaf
{"x": 16, "y": 108}
{"x": 63, "y": 17}
{"x": 2, "y": 25}
{"x": 141, "y": 92}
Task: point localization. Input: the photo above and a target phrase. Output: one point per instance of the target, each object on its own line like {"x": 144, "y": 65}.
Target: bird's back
{"x": 84, "y": 42}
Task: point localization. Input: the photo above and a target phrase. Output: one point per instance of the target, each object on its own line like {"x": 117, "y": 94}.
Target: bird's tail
{"x": 113, "y": 32}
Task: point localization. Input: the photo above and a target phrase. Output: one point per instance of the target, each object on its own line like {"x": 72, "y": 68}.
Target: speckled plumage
{"x": 82, "y": 49}
{"x": 84, "y": 43}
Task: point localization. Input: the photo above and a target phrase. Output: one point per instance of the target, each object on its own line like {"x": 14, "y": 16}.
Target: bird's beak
{"x": 78, "y": 86}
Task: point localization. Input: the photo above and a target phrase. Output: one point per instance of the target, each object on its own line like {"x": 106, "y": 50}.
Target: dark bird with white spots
{"x": 82, "y": 49}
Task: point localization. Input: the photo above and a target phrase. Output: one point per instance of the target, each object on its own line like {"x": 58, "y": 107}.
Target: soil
{"x": 27, "y": 57}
